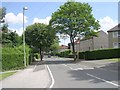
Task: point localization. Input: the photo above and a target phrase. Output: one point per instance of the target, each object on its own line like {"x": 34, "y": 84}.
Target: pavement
{"x": 34, "y": 76}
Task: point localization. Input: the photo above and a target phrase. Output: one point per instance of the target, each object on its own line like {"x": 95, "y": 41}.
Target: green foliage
{"x": 37, "y": 55}
{"x": 9, "y": 38}
{"x": 39, "y": 36}
{"x": 39, "y": 33}
{"x": 64, "y": 53}
{"x": 100, "y": 54}
{"x": 13, "y": 58}
{"x": 74, "y": 18}
{"x": 5, "y": 75}
{"x": 55, "y": 46}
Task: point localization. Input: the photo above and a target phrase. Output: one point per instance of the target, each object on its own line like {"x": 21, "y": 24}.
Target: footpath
{"x": 34, "y": 76}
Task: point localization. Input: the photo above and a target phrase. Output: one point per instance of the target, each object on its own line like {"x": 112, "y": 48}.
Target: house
{"x": 63, "y": 48}
{"x": 94, "y": 43}
{"x": 114, "y": 37}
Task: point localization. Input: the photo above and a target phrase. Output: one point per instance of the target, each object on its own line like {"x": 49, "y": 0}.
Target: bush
{"x": 12, "y": 61}
{"x": 100, "y": 54}
{"x": 64, "y": 53}
{"x": 37, "y": 55}
{"x": 13, "y": 58}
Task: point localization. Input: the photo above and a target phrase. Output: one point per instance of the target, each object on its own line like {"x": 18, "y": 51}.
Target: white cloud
{"x": 18, "y": 31}
{"x": 11, "y": 18}
{"x": 107, "y": 23}
{"x": 45, "y": 21}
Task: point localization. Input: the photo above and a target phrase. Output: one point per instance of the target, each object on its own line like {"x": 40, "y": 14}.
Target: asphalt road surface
{"x": 67, "y": 74}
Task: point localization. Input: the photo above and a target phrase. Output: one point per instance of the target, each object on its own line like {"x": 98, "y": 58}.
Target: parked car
{"x": 49, "y": 56}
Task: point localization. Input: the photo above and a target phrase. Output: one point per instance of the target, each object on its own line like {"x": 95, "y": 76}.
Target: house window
{"x": 115, "y": 34}
{"x": 119, "y": 44}
{"x": 115, "y": 45}
{"x": 118, "y": 34}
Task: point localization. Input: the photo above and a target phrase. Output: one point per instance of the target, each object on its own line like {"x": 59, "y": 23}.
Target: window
{"x": 115, "y": 45}
{"x": 119, "y": 44}
{"x": 118, "y": 34}
{"x": 115, "y": 34}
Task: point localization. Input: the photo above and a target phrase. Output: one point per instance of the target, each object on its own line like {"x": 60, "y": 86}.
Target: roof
{"x": 63, "y": 47}
{"x": 116, "y": 28}
{"x": 77, "y": 41}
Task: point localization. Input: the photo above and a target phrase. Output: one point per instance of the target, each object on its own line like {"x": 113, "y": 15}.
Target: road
{"x": 86, "y": 74}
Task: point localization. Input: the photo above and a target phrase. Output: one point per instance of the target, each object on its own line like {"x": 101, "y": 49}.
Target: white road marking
{"x": 98, "y": 68}
{"x": 68, "y": 66}
{"x": 64, "y": 65}
{"x": 83, "y": 65}
{"x": 53, "y": 81}
{"x": 103, "y": 80}
{"x": 78, "y": 69}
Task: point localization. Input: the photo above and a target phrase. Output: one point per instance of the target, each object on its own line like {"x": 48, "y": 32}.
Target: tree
{"x": 55, "y": 46}
{"x": 10, "y": 38}
{"x": 39, "y": 36}
{"x": 2, "y": 14}
{"x": 73, "y": 19}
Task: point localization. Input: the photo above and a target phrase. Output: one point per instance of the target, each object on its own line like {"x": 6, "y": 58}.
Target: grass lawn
{"x": 113, "y": 60}
{"x": 5, "y": 75}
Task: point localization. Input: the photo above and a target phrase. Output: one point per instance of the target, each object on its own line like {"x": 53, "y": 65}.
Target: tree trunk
{"x": 73, "y": 48}
{"x": 41, "y": 56}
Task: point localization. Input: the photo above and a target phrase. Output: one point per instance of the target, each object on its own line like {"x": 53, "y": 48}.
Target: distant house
{"x": 99, "y": 42}
{"x": 63, "y": 48}
{"x": 114, "y": 37}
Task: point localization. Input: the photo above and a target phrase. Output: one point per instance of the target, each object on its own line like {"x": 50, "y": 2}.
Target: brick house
{"x": 114, "y": 37}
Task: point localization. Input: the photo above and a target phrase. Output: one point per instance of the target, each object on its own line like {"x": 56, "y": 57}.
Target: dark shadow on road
{"x": 112, "y": 66}
{"x": 37, "y": 66}
{"x": 60, "y": 62}
{"x": 97, "y": 72}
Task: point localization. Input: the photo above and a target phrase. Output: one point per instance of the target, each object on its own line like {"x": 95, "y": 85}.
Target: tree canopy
{"x": 9, "y": 38}
{"x": 73, "y": 19}
{"x": 40, "y": 36}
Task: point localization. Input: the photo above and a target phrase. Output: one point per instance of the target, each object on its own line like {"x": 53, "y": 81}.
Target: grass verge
{"x": 5, "y": 75}
{"x": 113, "y": 60}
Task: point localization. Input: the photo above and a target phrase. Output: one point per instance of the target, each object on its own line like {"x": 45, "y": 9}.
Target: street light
{"x": 24, "y": 8}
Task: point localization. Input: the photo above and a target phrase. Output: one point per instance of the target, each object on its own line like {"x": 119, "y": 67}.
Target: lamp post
{"x": 24, "y": 8}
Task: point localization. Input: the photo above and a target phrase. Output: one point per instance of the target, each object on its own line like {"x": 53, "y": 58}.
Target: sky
{"x": 105, "y": 12}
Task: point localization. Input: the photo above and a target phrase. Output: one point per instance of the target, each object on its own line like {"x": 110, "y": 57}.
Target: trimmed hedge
{"x": 100, "y": 54}
{"x": 12, "y": 61}
{"x": 13, "y": 58}
{"x": 64, "y": 53}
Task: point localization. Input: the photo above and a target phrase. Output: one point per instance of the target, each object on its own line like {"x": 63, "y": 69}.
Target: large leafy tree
{"x": 73, "y": 19}
{"x": 39, "y": 36}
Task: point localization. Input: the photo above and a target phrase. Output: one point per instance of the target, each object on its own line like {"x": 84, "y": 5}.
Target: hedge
{"x": 64, "y": 53}
{"x": 100, "y": 54}
{"x": 12, "y": 61}
{"x": 13, "y": 58}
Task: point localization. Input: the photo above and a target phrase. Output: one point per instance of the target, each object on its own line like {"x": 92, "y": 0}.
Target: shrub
{"x": 100, "y": 54}
{"x": 37, "y": 55}
{"x": 12, "y": 61}
{"x": 13, "y": 58}
{"x": 65, "y": 53}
